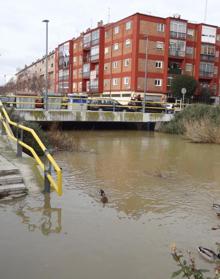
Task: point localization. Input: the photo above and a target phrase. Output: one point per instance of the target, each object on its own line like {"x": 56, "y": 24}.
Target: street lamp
{"x": 46, "y": 73}
{"x": 145, "y": 72}
{"x": 183, "y": 91}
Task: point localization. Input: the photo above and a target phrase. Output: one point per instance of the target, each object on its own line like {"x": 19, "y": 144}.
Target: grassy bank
{"x": 198, "y": 123}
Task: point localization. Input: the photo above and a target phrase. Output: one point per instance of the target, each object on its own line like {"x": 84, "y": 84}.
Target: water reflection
{"x": 45, "y": 219}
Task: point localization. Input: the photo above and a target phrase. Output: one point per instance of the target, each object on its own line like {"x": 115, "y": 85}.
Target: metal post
{"x": 2, "y": 129}
{"x": 113, "y": 106}
{"x": 145, "y": 74}
{"x": 46, "y": 72}
{"x": 19, "y": 148}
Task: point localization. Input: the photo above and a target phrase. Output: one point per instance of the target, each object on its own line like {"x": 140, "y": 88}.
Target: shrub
{"x": 194, "y": 116}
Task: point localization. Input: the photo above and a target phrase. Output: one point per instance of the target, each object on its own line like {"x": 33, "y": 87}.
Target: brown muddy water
{"x": 160, "y": 190}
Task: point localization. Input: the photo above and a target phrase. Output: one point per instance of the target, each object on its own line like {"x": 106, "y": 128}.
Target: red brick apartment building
{"x": 115, "y": 58}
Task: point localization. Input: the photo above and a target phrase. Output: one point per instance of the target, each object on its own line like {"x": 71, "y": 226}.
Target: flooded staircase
{"x": 11, "y": 181}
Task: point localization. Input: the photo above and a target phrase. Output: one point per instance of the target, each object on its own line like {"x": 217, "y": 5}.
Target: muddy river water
{"x": 160, "y": 190}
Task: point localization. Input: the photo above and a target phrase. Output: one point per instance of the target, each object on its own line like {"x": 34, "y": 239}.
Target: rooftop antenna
{"x": 206, "y": 8}
{"x": 109, "y": 15}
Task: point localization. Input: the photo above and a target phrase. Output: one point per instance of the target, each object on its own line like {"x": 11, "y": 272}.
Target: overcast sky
{"x": 22, "y": 33}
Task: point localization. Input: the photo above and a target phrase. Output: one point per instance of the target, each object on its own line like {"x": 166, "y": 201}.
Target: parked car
{"x": 150, "y": 107}
{"x": 105, "y": 104}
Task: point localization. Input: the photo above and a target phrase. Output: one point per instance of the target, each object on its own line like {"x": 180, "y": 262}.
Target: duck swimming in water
{"x": 104, "y": 199}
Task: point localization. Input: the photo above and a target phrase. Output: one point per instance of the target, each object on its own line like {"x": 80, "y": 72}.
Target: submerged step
{"x": 10, "y": 179}
{"x": 12, "y": 189}
{"x": 4, "y": 172}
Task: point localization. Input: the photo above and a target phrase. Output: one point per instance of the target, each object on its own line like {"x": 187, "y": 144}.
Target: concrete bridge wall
{"x": 91, "y": 116}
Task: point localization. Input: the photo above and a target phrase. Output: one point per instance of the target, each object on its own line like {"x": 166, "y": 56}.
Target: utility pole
{"x": 206, "y": 8}
{"x": 46, "y": 71}
{"x": 145, "y": 72}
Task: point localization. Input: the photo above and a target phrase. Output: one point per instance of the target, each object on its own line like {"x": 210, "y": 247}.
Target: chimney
{"x": 100, "y": 23}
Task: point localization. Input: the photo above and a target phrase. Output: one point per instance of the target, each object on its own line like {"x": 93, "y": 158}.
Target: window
{"x": 126, "y": 62}
{"x": 159, "y": 64}
{"x": 126, "y": 80}
{"x": 95, "y": 51}
{"x": 86, "y": 68}
{"x": 74, "y": 59}
{"x": 87, "y": 39}
{"x": 189, "y": 50}
{"x": 215, "y": 70}
{"x": 116, "y": 30}
{"x": 177, "y": 26}
{"x": 127, "y": 42}
{"x": 107, "y": 34}
{"x": 158, "y": 82}
{"x": 115, "y": 81}
{"x": 208, "y": 50}
{"x": 116, "y": 46}
{"x": 159, "y": 45}
{"x": 106, "y": 50}
{"x": 115, "y": 64}
{"x": 218, "y": 37}
{"x": 51, "y": 65}
{"x": 189, "y": 67}
{"x": 160, "y": 27}
{"x": 207, "y": 68}
{"x": 106, "y": 67}
{"x": 190, "y": 32}
{"x": 128, "y": 25}
{"x": 95, "y": 35}
{"x": 74, "y": 45}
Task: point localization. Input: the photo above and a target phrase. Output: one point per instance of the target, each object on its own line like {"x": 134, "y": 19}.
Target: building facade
{"x": 137, "y": 54}
{"x": 37, "y": 70}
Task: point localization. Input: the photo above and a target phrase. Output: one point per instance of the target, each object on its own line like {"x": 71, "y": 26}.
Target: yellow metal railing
{"x": 6, "y": 122}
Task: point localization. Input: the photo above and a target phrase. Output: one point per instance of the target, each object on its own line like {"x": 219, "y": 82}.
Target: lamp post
{"x": 46, "y": 71}
{"x": 145, "y": 73}
{"x": 183, "y": 91}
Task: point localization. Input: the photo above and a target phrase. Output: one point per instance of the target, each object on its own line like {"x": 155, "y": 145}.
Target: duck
{"x": 104, "y": 198}
{"x": 208, "y": 254}
{"x": 216, "y": 207}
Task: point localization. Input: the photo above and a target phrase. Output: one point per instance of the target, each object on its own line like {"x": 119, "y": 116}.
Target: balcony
{"x": 86, "y": 59}
{"x": 94, "y": 58}
{"x": 174, "y": 71}
{"x": 95, "y": 42}
{"x": 93, "y": 88}
{"x": 86, "y": 45}
{"x": 177, "y": 53}
{"x": 86, "y": 74}
{"x": 204, "y": 74}
{"x": 207, "y": 57}
{"x": 177, "y": 35}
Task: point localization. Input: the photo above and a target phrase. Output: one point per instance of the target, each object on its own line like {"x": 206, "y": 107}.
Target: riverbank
{"x": 198, "y": 123}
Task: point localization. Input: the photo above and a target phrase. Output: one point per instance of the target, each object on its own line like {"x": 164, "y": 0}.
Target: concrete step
{"x": 12, "y": 189}
{"x": 10, "y": 179}
{"x": 4, "y": 172}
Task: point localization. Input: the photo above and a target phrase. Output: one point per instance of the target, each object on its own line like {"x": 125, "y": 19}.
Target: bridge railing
{"x": 91, "y": 103}
{"x": 55, "y": 183}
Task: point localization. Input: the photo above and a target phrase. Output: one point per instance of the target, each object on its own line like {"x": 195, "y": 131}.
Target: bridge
{"x": 60, "y": 109}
